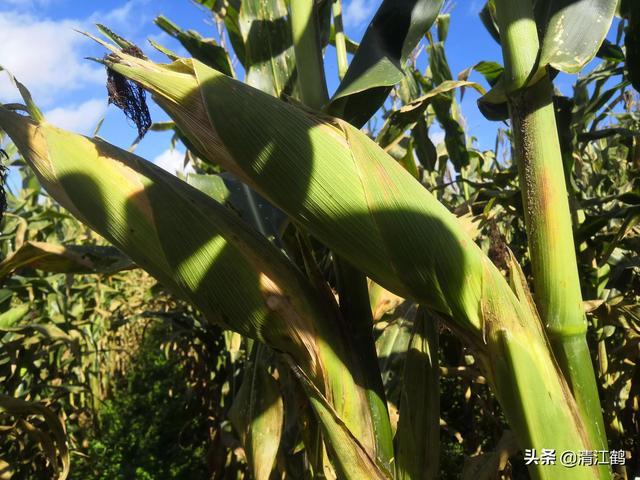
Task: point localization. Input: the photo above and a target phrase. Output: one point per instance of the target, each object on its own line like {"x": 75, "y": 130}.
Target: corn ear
{"x": 350, "y": 194}
{"x": 204, "y": 253}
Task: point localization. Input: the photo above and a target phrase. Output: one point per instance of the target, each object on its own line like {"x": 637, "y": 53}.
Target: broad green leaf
{"x": 572, "y": 31}
{"x": 382, "y": 301}
{"x": 491, "y": 71}
{"x": 204, "y": 49}
{"x": 571, "y": 34}
{"x": 610, "y": 52}
{"x": 445, "y": 107}
{"x": 228, "y": 10}
{"x": 65, "y": 259}
{"x": 396, "y": 29}
{"x": 212, "y": 185}
{"x": 269, "y": 59}
{"x": 492, "y": 105}
{"x": 391, "y": 348}
{"x": 250, "y": 206}
{"x": 353, "y": 290}
{"x": 488, "y": 19}
{"x": 49, "y": 330}
{"x": 354, "y": 462}
{"x": 418, "y": 435}
{"x": 9, "y": 318}
{"x": 257, "y": 414}
{"x": 425, "y": 149}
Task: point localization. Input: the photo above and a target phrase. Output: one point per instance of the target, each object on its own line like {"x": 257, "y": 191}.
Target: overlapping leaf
{"x": 269, "y": 59}
{"x": 65, "y": 259}
{"x": 394, "y": 32}
{"x": 572, "y": 31}
{"x": 351, "y": 195}
{"x": 203, "y": 252}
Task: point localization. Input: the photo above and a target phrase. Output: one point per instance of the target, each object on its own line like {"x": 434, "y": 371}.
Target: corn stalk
{"x": 547, "y": 215}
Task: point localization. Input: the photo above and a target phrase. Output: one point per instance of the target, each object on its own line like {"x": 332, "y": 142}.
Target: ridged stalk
{"x": 547, "y": 214}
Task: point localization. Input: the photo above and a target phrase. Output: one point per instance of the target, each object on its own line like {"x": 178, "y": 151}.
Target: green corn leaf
{"x": 354, "y": 462}
{"x": 65, "y": 259}
{"x": 12, "y": 316}
{"x": 269, "y": 58}
{"x": 418, "y": 435}
{"x": 204, "y": 49}
{"x": 391, "y": 347}
{"x": 425, "y": 149}
{"x": 250, "y": 206}
{"x": 228, "y": 10}
{"x": 48, "y": 330}
{"x": 352, "y": 289}
{"x": 572, "y": 31}
{"x": 610, "y": 52}
{"x": 488, "y": 18}
{"x": 394, "y": 32}
{"x": 491, "y": 71}
{"x": 257, "y": 414}
{"x": 445, "y": 107}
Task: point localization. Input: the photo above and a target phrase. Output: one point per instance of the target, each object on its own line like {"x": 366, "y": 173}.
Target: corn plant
{"x": 349, "y": 203}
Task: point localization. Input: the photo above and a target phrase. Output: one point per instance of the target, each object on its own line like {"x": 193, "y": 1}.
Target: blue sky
{"x": 39, "y": 45}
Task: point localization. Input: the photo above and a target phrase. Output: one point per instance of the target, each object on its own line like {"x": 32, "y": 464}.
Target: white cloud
{"x": 47, "y": 56}
{"x": 358, "y": 11}
{"x": 172, "y": 161}
{"x": 125, "y": 19}
{"x": 437, "y": 137}
{"x": 81, "y": 118}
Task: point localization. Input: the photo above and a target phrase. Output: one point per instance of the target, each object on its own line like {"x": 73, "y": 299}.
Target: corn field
{"x": 331, "y": 292}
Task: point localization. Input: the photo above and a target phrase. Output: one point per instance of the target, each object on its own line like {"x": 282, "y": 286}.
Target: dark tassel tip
{"x": 129, "y": 96}
{"x": 3, "y": 178}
